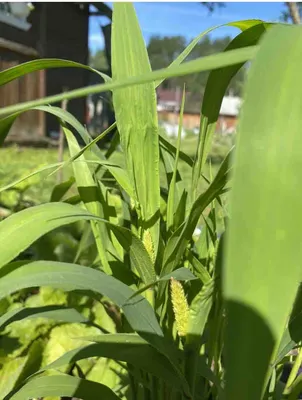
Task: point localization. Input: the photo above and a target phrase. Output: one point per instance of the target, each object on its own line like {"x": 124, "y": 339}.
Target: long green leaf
{"x": 17, "y": 369}
{"x": 129, "y": 348}
{"x": 172, "y": 149}
{"x": 63, "y": 386}
{"x": 201, "y": 64}
{"x": 59, "y": 191}
{"x": 58, "y": 313}
{"x": 17, "y": 71}
{"x": 138, "y": 311}
{"x": 172, "y": 200}
{"x": 219, "y": 79}
{"x": 199, "y": 269}
{"x": 181, "y": 274}
{"x": 75, "y": 277}
{"x": 20, "y": 230}
{"x": 263, "y": 256}
{"x": 202, "y": 368}
{"x": 31, "y": 174}
{"x": 177, "y": 243}
{"x": 291, "y": 338}
{"x": 119, "y": 174}
{"x": 215, "y": 89}
{"x": 168, "y": 160}
{"x": 7, "y": 122}
{"x": 138, "y": 254}
{"x": 88, "y": 146}
{"x": 136, "y": 116}
{"x": 86, "y": 241}
{"x": 39, "y": 220}
{"x": 245, "y": 24}
{"x": 199, "y": 311}
{"x": 92, "y": 198}
{"x": 198, "y": 316}
{"x": 242, "y": 25}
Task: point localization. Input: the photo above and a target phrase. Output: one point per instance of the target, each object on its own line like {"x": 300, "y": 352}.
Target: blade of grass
{"x": 216, "y": 86}
{"x": 123, "y": 347}
{"x": 181, "y": 274}
{"x": 17, "y": 71}
{"x": 62, "y": 386}
{"x": 36, "y": 65}
{"x": 58, "y": 313}
{"x": 201, "y": 64}
{"x": 172, "y": 201}
{"x": 136, "y": 116}
{"x": 7, "y": 122}
{"x": 138, "y": 311}
{"x": 177, "y": 243}
{"x": 75, "y": 277}
{"x": 59, "y": 191}
{"x": 198, "y": 316}
{"x": 92, "y": 199}
{"x": 37, "y": 172}
{"x": 172, "y": 149}
{"x": 263, "y": 191}
{"x": 199, "y": 268}
{"x": 86, "y": 241}
{"x": 87, "y": 147}
{"x": 39, "y": 220}
{"x": 118, "y": 172}
{"x": 242, "y": 25}
{"x": 245, "y": 24}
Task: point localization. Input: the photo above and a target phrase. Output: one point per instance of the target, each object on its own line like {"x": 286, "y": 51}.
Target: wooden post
{"x": 61, "y": 142}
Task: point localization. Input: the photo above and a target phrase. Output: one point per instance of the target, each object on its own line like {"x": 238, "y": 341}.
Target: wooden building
{"x": 50, "y": 30}
{"x": 168, "y": 107}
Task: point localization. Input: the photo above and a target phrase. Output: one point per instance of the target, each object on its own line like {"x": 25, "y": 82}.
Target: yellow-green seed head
{"x": 149, "y": 246}
{"x": 180, "y": 307}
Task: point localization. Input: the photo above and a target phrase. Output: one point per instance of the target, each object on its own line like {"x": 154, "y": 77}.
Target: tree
{"x": 103, "y": 9}
{"x": 293, "y": 12}
{"x": 98, "y": 60}
{"x": 212, "y": 5}
{"x": 163, "y": 50}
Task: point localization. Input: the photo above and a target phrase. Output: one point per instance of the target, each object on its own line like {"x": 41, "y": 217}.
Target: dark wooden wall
{"x": 29, "y": 87}
{"x": 66, "y": 34}
{"x": 59, "y": 30}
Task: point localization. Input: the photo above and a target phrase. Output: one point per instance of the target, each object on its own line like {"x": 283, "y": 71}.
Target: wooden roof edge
{"x": 18, "y": 48}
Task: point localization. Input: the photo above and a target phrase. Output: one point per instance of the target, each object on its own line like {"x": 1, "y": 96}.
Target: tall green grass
{"x": 158, "y": 313}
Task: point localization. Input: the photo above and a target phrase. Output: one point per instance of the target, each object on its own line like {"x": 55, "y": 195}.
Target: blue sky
{"x": 188, "y": 19}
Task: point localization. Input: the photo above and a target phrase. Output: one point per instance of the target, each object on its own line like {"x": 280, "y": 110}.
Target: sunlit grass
{"x": 17, "y": 162}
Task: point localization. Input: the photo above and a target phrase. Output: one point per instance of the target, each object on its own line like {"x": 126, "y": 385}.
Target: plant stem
{"x": 295, "y": 389}
{"x": 293, "y": 372}
{"x": 61, "y": 142}
{"x": 132, "y": 384}
{"x": 154, "y": 386}
{"x": 149, "y": 294}
{"x": 191, "y": 359}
